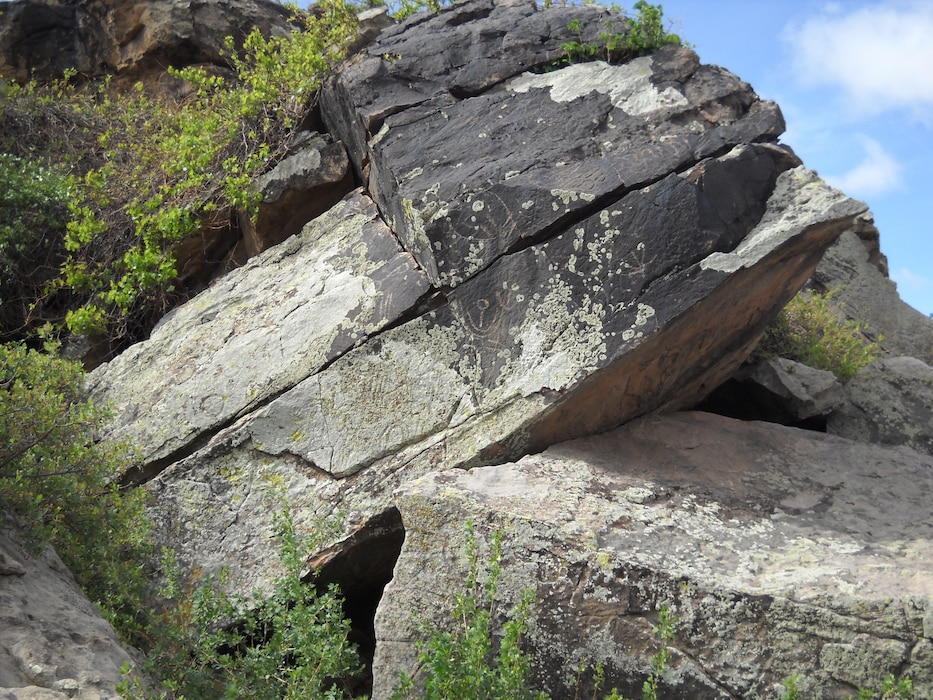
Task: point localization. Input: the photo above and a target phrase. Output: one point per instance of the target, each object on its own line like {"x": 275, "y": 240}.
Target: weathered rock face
{"x": 488, "y": 175}
{"x": 775, "y": 547}
{"x": 260, "y": 331}
{"x": 890, "y": 402}
{"x": 578, "y": 248}
{"x": 871, "y": 298}
{"x": 138, "y": 40}
{"x": 54, "y": 644}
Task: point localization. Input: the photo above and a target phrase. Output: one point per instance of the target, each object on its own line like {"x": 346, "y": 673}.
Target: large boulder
{"x": 578, "y": 277}
{"x": 780, "y": 551}
{"x": 471, "y": 156}
{"x": 889, "y": 402}
{"x": 54, "y": 644}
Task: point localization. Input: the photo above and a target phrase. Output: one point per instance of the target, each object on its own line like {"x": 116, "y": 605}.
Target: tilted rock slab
{"x": 596, "y": 284}
{"x": 472, "y": 160}
{"x": 259, "y": 331}
{"x": 535, "y": 351}
{"x": 780, "y": 551}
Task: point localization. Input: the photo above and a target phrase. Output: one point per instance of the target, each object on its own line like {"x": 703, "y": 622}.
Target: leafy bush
{"x": 209, "y": 644}
{"x": 56, "y": 486}
{"x": 461, "y": 663}
{"x": 152, "y": 172}
{"x": 403, "y": 9}
{"x": 812, "y": 329}
{"x": 56, "y": 480}
{"x": 33, "y": 217}
{"x": 645, "y": 34}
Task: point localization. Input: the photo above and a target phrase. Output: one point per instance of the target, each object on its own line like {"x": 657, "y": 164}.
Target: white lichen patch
{"x": 643, "y": 315}
{"x": 412, "y": 174}
{"x": 628, "y": 86}
{"x": 569, "y": 196}
{"x": 560, "y": 339}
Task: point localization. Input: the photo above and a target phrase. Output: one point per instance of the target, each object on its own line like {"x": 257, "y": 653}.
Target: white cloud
{"x": 878, "y": 172}
{"x": 880, "y": 55}
{"x": 908, "y": 278}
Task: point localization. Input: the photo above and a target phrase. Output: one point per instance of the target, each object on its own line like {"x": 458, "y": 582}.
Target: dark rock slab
{"x": 461, "y": 51}
{"x": 597, "y": 284}
{"x": 467, "y": 169}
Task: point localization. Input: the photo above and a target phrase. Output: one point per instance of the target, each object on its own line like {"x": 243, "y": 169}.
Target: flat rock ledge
{"x": 781, "y": 552}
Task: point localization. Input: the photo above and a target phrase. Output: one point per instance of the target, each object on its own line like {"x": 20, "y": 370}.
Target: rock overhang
{"x": 495, "y": 296}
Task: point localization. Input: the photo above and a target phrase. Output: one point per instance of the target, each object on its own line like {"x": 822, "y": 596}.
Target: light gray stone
{"x": 775, "y": 547}
{"x": 259, "y": 331}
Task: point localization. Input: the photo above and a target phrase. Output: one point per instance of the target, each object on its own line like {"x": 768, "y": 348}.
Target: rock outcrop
{"x": 781, "y": 552}
{"x": 569, "y": 242}
{"x": 53, "y": 642}
{"x": 858, "y": 280}
{"x": 537, "y": 252}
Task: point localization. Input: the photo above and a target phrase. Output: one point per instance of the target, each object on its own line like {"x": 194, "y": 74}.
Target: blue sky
{"x": 855, "y": 82}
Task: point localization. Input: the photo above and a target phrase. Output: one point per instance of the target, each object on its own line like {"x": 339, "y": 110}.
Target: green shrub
{"x": 460, "y": 663}
{"x": 150, "y": 172}
{"x": 645, "y": 34}
{"x": 56, "y": 481}
{"x": 33, "y": 217}
{"x": 293, "y": 643}
{"x": 812, "y": 329}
